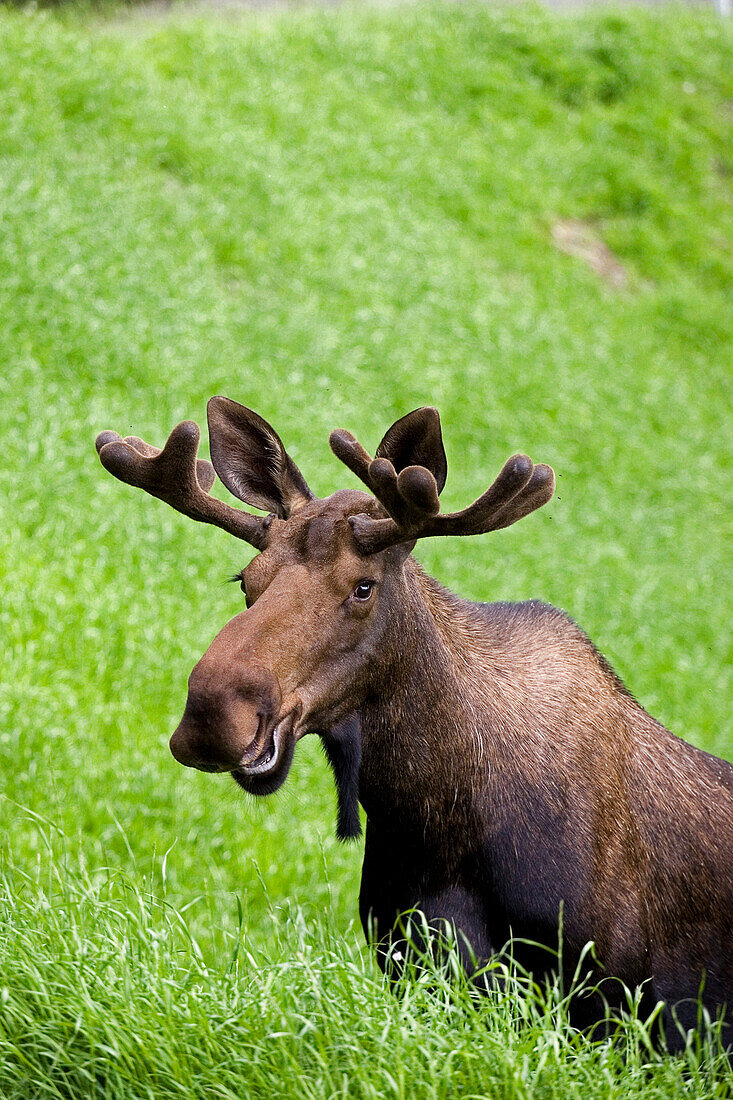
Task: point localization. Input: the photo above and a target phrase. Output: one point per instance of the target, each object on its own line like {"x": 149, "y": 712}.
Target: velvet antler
{"x": 175, "y": 475}
{"x": 410, "y": 493}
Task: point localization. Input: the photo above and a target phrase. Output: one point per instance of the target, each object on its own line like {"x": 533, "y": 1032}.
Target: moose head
{"x": 326, "y": 591}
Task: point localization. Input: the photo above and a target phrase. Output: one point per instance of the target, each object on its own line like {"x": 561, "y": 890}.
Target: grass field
{"x": 332, "y": 217}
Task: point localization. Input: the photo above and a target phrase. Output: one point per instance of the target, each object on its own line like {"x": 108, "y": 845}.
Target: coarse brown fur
{"x": 507, "y": 774}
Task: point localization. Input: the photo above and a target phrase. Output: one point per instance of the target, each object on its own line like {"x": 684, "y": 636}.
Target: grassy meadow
{"x": 333, "y": 217}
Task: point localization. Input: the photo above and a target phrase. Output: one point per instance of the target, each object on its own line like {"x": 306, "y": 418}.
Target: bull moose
{"x": 506, "y": 772}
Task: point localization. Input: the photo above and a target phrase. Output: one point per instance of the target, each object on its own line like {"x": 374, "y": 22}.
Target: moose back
{"x": 506, "y": 772}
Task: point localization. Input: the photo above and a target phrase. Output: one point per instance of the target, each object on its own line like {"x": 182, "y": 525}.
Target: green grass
{"x": 332, "y": 217}
{"x": 131, "y": 1007}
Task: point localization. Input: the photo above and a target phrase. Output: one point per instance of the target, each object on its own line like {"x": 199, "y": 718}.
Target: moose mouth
{"x": 268, "y": 769}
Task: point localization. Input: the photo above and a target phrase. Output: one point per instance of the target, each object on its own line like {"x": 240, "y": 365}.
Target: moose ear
{"x": 416, "y": 440}
{"x": 250, "y": 459}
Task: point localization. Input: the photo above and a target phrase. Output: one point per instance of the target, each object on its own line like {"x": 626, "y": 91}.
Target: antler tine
{"x": 349, "y": 450}
{"x": 480, "y": 517}
{"x": 411, "y": 499}
{"x": 175, "y": 475}
{"x": 538, "y": 491}
{"x": 407, "y": 497}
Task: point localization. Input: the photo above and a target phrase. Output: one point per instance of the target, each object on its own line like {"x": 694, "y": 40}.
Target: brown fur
{"x": 506, "y": 772}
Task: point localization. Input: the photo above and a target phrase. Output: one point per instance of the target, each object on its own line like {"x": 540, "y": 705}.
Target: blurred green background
{"x": 334, "y": 217}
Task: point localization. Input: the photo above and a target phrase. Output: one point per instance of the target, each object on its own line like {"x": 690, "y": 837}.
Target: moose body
{"x": 534, "y": 782}
{"x": 509, "y": 778}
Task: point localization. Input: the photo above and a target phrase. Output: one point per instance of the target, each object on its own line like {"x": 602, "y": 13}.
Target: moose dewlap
{"x": 506, "y": 772}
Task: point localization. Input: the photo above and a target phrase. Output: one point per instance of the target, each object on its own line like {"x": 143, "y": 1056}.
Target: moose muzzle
{"x": 232, "y": 725}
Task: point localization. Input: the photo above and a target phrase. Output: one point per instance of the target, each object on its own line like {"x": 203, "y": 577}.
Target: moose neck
{"x": 421, "y": 726}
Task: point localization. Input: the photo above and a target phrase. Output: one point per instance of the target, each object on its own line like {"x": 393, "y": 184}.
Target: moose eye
{"x": 363, "y": 590}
